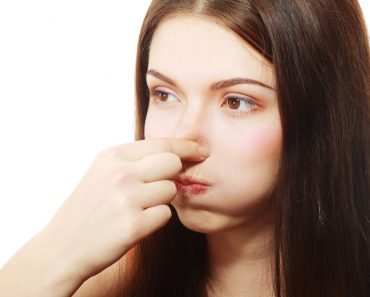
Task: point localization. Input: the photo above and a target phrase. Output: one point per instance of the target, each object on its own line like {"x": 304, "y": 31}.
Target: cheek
{"x": 263, "y": 142}
{"x": 257, "y": 143}
{"x": 155, "y": 126}
{"x": 251, "y": 160}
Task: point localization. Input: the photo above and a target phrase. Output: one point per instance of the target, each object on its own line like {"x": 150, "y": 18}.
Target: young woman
{"x": 277, "y": 201}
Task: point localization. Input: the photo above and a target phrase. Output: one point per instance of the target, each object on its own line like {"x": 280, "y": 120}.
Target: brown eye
{"x": 163, "y": 96}
{"x": 239, "y": 106}
{"x": 233, "y": 102}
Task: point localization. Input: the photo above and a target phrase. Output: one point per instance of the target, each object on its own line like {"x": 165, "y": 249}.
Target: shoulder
{"x": 106, "y": 283}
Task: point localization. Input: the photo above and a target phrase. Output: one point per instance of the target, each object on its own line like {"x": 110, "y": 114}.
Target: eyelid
{"x": 247, "y": 100}
{"x": 153, "y": 92}
{"x": 161, "y": 89}
{"x": 162, "y": 86}
{"x": 240, "y": 96}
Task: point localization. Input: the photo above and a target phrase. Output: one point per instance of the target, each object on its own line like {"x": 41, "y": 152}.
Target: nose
{"x": 192, "y": 125}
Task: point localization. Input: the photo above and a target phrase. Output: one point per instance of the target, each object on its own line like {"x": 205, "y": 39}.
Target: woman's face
{"x": 208, "y": 85}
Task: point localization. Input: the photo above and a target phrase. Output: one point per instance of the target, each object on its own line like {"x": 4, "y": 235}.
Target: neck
{"x": 240, "y": 260}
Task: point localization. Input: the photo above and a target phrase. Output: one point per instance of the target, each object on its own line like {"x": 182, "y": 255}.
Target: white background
{"x": 66, "y": 93}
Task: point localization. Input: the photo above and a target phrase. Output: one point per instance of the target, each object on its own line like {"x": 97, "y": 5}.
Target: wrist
{"x": 39, "y": 269}
{"x": 63, "y": 266}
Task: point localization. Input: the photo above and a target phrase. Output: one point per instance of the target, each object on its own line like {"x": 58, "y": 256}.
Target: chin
{"x": 200, "y": 220}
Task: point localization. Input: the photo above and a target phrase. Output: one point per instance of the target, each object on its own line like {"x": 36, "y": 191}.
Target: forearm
{"x": 39, "y": 269}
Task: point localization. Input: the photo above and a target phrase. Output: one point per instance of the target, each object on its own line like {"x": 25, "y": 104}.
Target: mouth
{"x": 189, "y": 185}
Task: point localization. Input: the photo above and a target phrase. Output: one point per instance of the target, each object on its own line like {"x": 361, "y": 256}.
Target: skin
{"x": 235, "y": 213}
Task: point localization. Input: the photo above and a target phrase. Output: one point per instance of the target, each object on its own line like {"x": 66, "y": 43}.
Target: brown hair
{"x": 320, "y": 53}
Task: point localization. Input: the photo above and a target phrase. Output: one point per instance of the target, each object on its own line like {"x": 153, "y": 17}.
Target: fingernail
{"x": 205, "y": 152}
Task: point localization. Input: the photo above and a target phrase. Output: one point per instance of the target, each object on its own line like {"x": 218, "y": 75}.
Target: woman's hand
{"x": 123, "y": 198}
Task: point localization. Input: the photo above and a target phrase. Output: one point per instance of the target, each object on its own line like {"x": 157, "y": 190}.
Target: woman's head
{"x": 208, "y": 85}
{"x": 317, "y": 163}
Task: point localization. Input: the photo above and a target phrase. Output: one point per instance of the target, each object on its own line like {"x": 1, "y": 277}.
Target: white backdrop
{"x": 66, "y": 93}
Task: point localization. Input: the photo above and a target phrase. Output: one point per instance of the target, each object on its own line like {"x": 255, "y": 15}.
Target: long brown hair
{"x": 320, "y": 53}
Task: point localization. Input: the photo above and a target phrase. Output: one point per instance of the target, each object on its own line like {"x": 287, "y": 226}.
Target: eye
{"x": 239, "y": 106}
{"x": 160, "y": 96}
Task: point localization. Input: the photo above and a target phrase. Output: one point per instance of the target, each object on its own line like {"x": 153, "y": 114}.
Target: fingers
{"x": 156, "y": 193}
{"x": 153, "y": 218}
{"x": 157, "y": 167}
{"x": 185, "y": 149}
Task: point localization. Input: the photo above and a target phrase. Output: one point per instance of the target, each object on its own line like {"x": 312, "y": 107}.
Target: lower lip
{"x": 191, "y": 188}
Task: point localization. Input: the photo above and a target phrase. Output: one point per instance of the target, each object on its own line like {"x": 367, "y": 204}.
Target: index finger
{"x": 185, "y": 149}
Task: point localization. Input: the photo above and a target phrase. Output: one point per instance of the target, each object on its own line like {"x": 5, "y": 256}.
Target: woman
{"x": 278, "y": 93}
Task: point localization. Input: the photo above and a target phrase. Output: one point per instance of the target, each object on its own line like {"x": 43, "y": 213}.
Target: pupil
{"x": 163, "y": 96}
{"x": 235, "y": 102}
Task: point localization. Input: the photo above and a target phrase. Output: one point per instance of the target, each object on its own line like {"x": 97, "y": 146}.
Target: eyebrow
{"x": 214, "y": 86}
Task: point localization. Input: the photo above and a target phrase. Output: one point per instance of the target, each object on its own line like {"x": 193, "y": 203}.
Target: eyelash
{"x": 156, "y": 93}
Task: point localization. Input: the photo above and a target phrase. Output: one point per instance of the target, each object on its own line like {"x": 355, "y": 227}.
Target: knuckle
{"x": 135, "y": 228}
{"x": 116, "y": 152}
{"x": 159, "y": 143}
{"x": 177, "y": 162}
{"x": 171, "y": 187}
{"x": 126, "y": 196}
{"x": 165, "y": 145}
{"x": 173, "y": 160}
{"x": 167, "y": 213}
{"x": 110, "y": 152}
{"x": 121, "y": 174}
{"x": 193, "y": 148}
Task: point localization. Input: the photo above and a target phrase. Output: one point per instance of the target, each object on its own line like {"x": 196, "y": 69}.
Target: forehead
{"x": 205, "y": 49}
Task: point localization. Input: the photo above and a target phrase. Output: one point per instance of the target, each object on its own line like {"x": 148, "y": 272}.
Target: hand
{"x": 123, "y": 198}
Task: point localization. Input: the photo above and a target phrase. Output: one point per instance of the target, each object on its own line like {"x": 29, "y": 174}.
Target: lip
{"x": 188, "y": 180}
{"x": 188, "y": 185}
